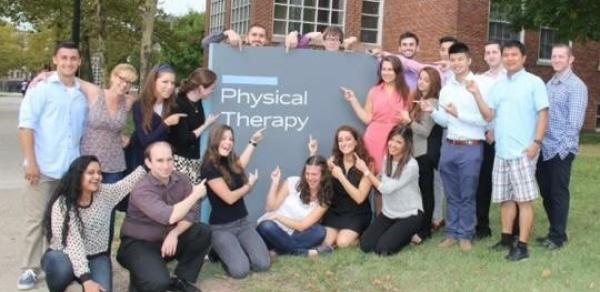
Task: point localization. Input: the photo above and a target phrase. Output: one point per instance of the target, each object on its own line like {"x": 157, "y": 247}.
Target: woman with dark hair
{"x": 77, "y": 223}
{"x": 291, "y": 224}
{"x": 350, "y": 211}
{"x": 185, "y": 136}
{"x": 153, "y": 113}
{"x": 402, "y": 210}
{"x": 383, "y": 109}
{"x": 426, "y": 144}
{"x": 234, "y": 238}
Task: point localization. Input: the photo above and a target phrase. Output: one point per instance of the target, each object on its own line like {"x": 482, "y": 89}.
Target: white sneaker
{"x": 27, "y": 280}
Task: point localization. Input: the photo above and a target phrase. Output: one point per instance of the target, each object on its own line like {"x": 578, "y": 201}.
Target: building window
{"x": 501, "y": 29}
{"x": 548, "y": 37}
{"x": 240, "y": 15}
{"x": 370, "y": 22}
{"x": 307, "y": 15}
{"x": 217, "y": 16}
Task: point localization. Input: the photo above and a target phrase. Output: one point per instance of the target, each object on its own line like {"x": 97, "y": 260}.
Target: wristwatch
{"x": 538, "y": 141}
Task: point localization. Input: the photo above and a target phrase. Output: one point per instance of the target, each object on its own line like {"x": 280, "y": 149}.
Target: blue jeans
{"x": 111, "y": 177}
{"x": 459, "y": 167}
{"x": 298, "y": 243}
{"x": 59, "y": 271}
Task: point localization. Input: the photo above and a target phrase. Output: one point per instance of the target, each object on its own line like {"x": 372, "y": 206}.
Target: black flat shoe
{"x": 517, "y": 253}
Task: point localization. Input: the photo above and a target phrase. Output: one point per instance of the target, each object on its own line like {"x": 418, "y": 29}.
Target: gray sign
{"x": 292, "y": 95}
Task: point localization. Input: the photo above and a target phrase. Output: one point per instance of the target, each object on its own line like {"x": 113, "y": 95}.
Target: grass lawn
{"x": 576, "y": 267}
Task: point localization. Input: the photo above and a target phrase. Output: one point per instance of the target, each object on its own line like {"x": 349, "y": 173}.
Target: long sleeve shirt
{"x": 469, "y": 125}
{"x": 401, "y": 196}
{"x": 568, "y": 97}
{"x": 89, "y": 236}
{"x": 422, "y": 130}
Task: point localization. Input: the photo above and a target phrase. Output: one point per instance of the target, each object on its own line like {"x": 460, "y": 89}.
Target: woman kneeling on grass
{"x": 294, "y": 209}
{"x": 402, "y": 208}
{"x": 77, "y": 223}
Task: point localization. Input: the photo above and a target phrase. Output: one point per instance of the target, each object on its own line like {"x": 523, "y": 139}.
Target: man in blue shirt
{"x": 51, "y": 124}
{"x": 519, "y": 106}
{"x": 568, "y": 97}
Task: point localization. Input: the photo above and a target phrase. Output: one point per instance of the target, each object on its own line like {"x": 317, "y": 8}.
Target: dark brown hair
{"x": 148, "y": 98}
{"x": 399, "y": 82}
{"x": 333, "y": 31}
{"x": 325, "y": 192}
{"x": 406, "y": 134}
{"x": 213, "y": 157}
{"x": 199, "y": 77}
{"x": 435, "y": 85}
{"x": 360, "y": 149}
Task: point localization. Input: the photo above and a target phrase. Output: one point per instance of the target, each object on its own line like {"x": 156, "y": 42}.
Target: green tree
{"x": 9, "y": 50}
{"x": 574, "y": 19}
{"x": 181, "y": 43}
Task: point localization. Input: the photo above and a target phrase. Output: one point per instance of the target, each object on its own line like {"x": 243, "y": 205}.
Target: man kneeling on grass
{"x": 160, "y": 226}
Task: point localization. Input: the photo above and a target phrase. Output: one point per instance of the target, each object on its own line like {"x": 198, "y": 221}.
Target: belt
{"x": 464, "y": 142}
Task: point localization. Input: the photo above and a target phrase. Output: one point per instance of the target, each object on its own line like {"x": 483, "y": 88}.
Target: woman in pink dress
{"x": 386, "y": 106}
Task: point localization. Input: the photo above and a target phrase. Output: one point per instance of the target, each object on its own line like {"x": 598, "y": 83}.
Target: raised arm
{"x": 115, "y": 192}
{"x": 249, "y": 150}
{"x": 229, "y": 196}
{"x": 365, "y": 114}
{"x": 358, "y": 194}
{"x": 277, "y": 193}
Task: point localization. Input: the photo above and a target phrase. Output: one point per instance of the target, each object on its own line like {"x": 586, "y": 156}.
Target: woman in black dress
{"x": 185, "y": 136}
{"x": 350, "y": 211}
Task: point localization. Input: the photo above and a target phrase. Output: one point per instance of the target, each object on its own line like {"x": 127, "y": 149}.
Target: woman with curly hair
{"x": 291, "y": 224}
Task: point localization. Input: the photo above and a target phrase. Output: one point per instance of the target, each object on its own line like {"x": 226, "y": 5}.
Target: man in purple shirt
{"x": 408, "y": 46}
{"x": 160, "y": 226}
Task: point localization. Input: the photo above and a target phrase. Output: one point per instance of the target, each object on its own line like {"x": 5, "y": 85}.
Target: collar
{"x": 488, "y": 73}
{"x": 563, "y": 77}
{"x": 53, "y": 78}
{"x": 516, "y": 75}
{"x": 470, "y": 76}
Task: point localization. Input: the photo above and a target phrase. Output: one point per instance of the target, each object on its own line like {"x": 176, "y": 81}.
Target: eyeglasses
{"x": 124, "y": 80}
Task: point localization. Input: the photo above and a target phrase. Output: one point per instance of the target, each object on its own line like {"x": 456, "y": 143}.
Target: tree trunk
{"x": 98, "y": 59}
{"x": 148, "y": 14}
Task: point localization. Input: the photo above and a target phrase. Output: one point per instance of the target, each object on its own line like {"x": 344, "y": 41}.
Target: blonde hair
{"x": 127, "y": 69}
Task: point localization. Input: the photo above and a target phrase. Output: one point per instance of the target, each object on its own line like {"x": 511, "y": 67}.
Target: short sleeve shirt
{"x": 222, "y": 212}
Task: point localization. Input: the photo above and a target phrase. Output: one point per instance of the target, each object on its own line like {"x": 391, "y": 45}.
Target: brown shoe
{"x": 448, "y": 242}
{"x": 438, "y": 225}
{"x": 465, "y": 245}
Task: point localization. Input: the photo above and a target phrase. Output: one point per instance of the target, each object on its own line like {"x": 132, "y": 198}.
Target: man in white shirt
{"x": 462, "y": 152}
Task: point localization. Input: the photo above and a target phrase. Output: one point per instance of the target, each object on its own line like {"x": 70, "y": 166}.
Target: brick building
{"x": 380, "y": 22}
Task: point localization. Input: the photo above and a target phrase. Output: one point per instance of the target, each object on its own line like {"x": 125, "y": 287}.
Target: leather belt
{"x": 464, "y": 142}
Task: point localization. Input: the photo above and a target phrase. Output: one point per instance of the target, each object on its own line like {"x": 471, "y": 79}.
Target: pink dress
{"x": 385, "y": 116}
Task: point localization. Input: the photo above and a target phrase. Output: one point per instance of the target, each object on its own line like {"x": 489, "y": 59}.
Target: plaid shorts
{"x": 514, "y": 180}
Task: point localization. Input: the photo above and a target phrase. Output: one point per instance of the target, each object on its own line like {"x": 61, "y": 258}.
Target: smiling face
{"x": 312, "y": 175}
{"x": 346, "y": 142}
{"x": 91, "y": 178}
{"x": 396, "y": 145}
{"x": 160, "y": 161}
{"x": 206, "y": 91}
{"x": 164, "y": 86}
{"x": 561, "y": 59}
{"x": 67, "y": 61}
{"x": 513, "y": 59}
{"x": 121, "y": 82}
{"x": 257, "y": 36}
{"x": 459, "y": 63}
{"x": 226, "y": 143}
{"x": 408, "y": 47}
{"x": 387, "y": 72}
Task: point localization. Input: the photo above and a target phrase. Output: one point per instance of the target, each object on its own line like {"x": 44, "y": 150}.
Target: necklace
{"x": 193, "y": 104}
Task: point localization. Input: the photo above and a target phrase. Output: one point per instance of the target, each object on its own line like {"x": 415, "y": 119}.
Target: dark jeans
{"x": 148, "y": 270}
{"x": 459, "y": 167}
{"x": 59, "y": 271}
{"x": 387, "y": 236}
{"x": 111, "y": 178}
{"x": 426, "y": 168}
{"x": 297, "y": 243}
{"x": 553, "y": 177}
{"x": 484, "y": 190}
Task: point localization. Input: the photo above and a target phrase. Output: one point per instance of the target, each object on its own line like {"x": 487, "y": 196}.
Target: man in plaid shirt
{"x": 568, "y": 97}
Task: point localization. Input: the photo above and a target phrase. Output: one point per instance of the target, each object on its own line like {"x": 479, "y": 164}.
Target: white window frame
{"x": 217, "y": 16}
{"x": 379, "y": 15}
{"x": 540, "y": 60}
{"x": 521, "y": 33}
{"x": 240, "y": 24}
{"x": 315, "y": 22}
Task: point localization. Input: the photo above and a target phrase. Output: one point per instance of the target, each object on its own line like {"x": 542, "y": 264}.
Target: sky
{"x": 181, "y": 7}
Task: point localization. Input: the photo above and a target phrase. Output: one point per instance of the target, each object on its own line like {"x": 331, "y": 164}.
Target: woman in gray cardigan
{"x": 402, "y": 210}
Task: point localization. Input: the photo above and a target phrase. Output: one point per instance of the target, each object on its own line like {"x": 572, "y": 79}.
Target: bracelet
{"x": 252, "y": 143}
{"x": 538, "y": 141}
